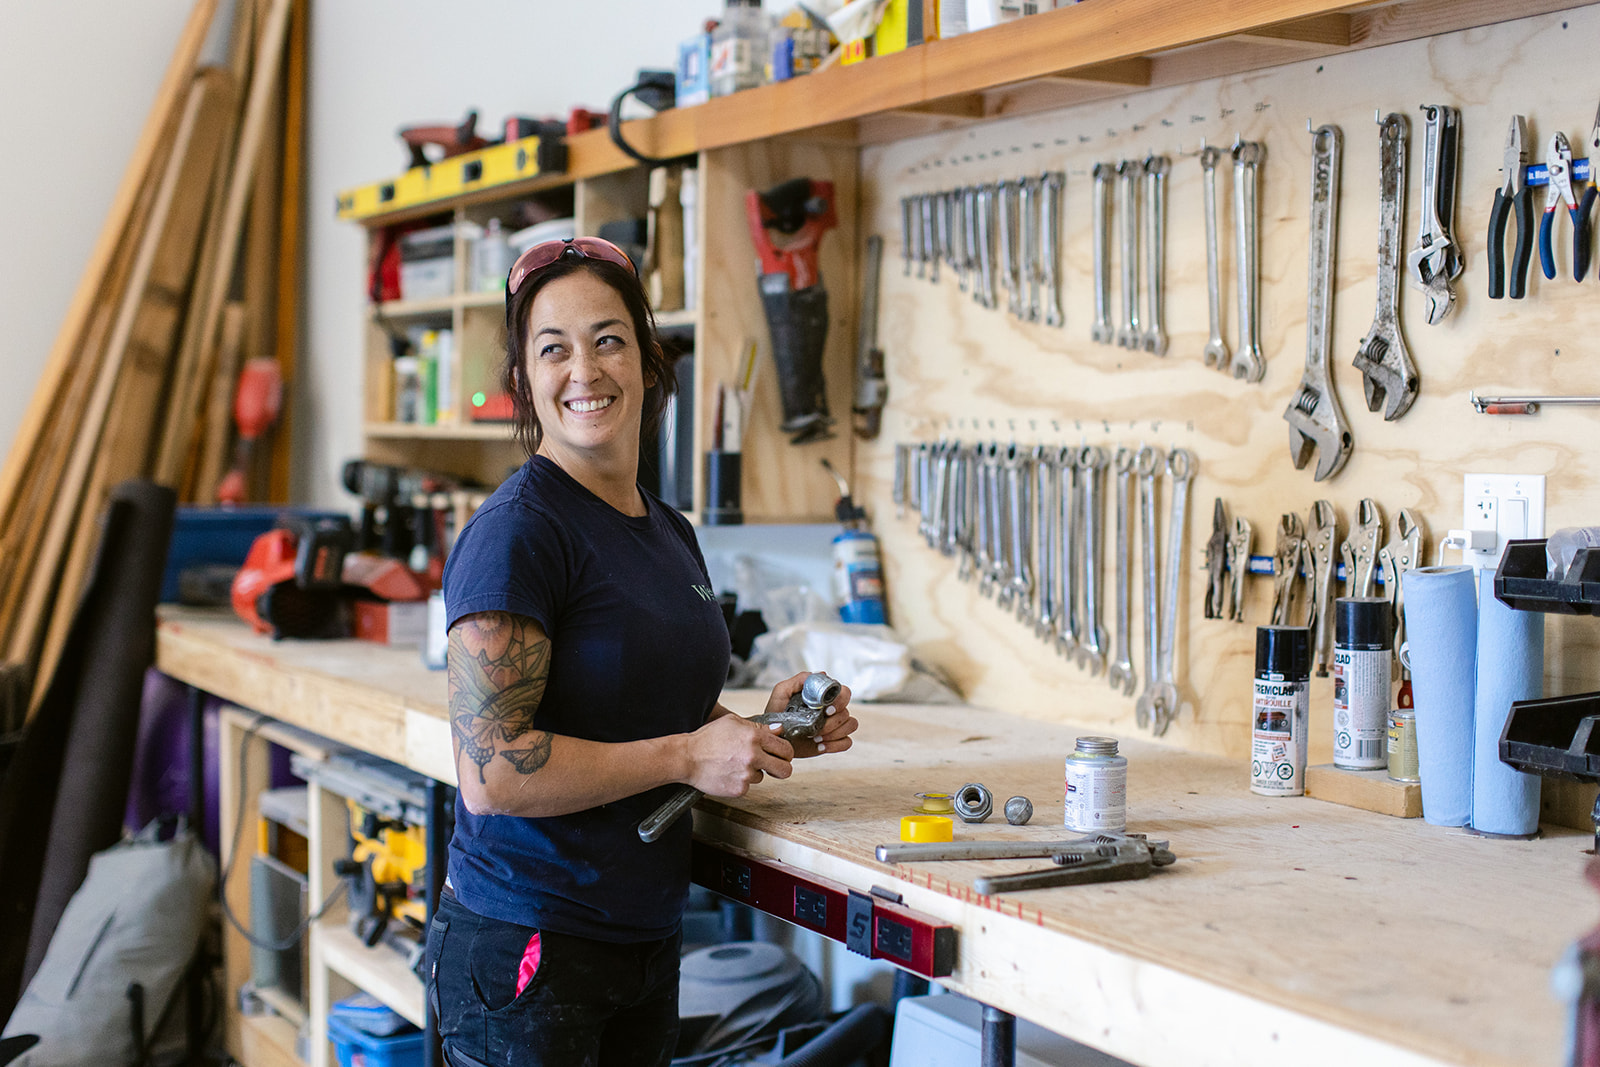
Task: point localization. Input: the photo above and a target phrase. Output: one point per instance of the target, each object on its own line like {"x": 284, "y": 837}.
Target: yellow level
{"x": 483, "y": 169}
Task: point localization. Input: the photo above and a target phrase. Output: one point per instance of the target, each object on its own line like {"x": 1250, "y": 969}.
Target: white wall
{"x": 377, "y": 65}
{"x": 76, "y": 83}
{"x": 77, "y": 80}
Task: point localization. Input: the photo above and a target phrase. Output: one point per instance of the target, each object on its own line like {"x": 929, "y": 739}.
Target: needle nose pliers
{"x": 1513, "y": 197}
{"x": 1558, "y": 162}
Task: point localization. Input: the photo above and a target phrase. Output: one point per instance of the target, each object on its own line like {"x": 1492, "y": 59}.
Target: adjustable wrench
{"x": 1436, "y": 261}
{"x": 1149, "y": 463}
{"x": 1216, "y": 350}
{"x": 1129, "y": 331}
{"x": 1053, "y": 183}
{"x": 1322, "y": 533}
{"x": 1006, "y": 221}
{"x": 1360, "y": 550}
{"x": 1120, "y": 672}
{"x": 1154, "y": 338}
{"x": 1102, "y": 331}
{"x": 1403, "y": 553}
{"x": 1248, "y": 362}
{"x": 1046, "y": 514}
{"x": 1096, "y": 643}
{"x": 1286, "y": 568}
{"x": 1067, "y": 474}
{"x": 1239, "y": 548}
{"x": 1028, "y": 226}
{"x": 1164, "y": 700}
{"x": 1316, "y": 421}
{"x": 1387, "y": 371}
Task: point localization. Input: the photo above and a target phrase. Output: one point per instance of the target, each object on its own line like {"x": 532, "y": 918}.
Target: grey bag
{"x": 138, "y": 917}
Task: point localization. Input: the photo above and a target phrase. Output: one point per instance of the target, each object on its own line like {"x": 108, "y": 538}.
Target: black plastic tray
{"x": 1521, "y": 581}
{"x": 1558, "y": 737}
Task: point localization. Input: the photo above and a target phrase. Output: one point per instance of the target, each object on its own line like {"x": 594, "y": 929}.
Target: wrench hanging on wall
{"x": 1388, "y": 375}
{"x": 1154, "y": 337}
{"x": 1216, "y": 350}
{"x": 1100, "y": 228}
{"x": 1052, "y": 186}
{"x": 1129, "y": 331}
{"x": 1316, "y": 421}
{"x": 1248, "y": 362}
{"x": 1436, "y": 261}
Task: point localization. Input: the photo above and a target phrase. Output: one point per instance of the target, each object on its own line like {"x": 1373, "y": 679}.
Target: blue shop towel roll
{"x": 1510, "y": 667}
{"x": 1442, "y": 631}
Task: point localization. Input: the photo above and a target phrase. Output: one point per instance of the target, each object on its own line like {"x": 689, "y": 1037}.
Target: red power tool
{"x": 799, "y": 211}
{"x": 256, "y": 405}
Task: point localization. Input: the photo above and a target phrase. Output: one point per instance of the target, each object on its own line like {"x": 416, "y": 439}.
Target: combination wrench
{"x": 1006, "y": 222}
{"x": 907, "y": 254}
{"x": 1316, "y": 421}
{"x": 1096, "y": 643}
{"x": 1216, "y": 350}
{"x": 1129, "y": 331}
{"x": 1248, "y": 363}
{"x": 1388, "y": 375}
{"x": 1148, "y": 463}
{"x": 930, "y": 241}
{"x": 1154, "y": 338}
{"x": 1102, "y": 331}
{"x": 1120, "y": 672}
{"x": 1067, "y": 476}
{"x": 1165, "y": 699}
{"x": 1046, "y": 513}
{"x": 1019, "y": 518}
{"x": 984, "y": 210}
{"x": 1052, "y": 185}
{"x": 1028, "y": 227}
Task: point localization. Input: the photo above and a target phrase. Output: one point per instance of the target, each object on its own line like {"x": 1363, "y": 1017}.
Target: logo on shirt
{"x": 704, "y": 592}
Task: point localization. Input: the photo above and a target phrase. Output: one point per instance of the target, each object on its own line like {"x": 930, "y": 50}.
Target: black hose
{"x": 863, "y": 1029}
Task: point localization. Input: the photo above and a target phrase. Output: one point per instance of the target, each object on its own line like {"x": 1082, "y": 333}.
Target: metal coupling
{"x": 974, "y": 802}
{"x": 1018, "y": 811}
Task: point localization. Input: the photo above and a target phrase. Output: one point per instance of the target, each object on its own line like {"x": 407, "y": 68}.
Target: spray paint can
{"x": 1281, "y": 711}
{"x": 1096, "y": 787}
{"x": 1363, "y": 638}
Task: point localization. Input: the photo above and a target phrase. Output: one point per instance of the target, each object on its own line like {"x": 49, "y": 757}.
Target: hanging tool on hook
{"x": 1388, "y": 375}
{"x": 1436, "y": 261}
{"x": 1558, "y": 165}
{"x": 1512, "y": 198}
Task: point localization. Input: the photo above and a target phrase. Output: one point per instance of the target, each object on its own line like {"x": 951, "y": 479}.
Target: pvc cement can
{"x": 1281, "y": 711}
{"x": 1096, "y": 787}
{"x": 1403, "y": 746}
{"x": 1362, "y": 678}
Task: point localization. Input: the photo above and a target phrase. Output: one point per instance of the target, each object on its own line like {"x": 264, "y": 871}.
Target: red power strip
{"x": 873, "y": 925}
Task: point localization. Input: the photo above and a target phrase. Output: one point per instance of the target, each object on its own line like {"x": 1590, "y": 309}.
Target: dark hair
{"x": 659, "y": 379}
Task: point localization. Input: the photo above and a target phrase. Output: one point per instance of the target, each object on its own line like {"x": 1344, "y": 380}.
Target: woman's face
{"x": 585, "y": 372}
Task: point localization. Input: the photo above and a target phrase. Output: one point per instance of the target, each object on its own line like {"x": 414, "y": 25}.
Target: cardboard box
{"x": 396, "y": 623}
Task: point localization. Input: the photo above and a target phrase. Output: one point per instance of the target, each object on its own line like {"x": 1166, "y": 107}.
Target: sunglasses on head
{"x": 542, "y": 255}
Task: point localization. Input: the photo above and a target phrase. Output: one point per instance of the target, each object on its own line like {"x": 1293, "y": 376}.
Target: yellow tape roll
{"x": 926, "y": 828}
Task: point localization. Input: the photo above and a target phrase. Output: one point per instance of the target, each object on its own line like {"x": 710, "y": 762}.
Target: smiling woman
{"x": 585, "y": 663}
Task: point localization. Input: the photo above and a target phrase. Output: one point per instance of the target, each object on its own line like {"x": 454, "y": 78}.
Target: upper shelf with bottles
{"x": 1081, "y": 52}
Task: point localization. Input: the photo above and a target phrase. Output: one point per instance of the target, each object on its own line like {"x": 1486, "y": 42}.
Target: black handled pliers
{"x": 1558, "y": 163}
{"x": 1513, "y": 196}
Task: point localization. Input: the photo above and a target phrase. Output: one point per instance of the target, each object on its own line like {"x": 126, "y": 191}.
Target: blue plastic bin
{"x": 357, "y": 1048}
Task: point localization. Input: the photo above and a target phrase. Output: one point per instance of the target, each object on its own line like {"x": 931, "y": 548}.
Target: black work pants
{"x": 512, "y": 996}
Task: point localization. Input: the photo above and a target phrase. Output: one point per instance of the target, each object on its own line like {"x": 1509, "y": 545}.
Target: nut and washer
{"x": 1019, "y": 810}
{"x": 974, "y": 802}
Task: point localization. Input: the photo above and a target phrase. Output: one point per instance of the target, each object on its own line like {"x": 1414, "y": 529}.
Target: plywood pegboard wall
{"x": 959, "y": 371}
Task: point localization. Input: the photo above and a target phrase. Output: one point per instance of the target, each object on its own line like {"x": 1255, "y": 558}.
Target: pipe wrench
{"x": 1360, "y": 550}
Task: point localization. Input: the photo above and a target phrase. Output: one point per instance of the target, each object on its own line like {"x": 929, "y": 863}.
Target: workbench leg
{"x": 999, "y": 1038}
{"x": 437, "y": 859}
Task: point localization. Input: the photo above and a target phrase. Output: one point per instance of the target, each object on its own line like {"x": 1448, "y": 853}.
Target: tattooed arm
{"x": 498, "y": 666}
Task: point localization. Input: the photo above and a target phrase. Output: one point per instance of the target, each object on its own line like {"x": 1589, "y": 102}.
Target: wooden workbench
{"x": 1289, "y": 931}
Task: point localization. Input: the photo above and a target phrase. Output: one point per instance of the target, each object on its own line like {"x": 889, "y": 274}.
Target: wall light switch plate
{"x": 1510, "y": 506}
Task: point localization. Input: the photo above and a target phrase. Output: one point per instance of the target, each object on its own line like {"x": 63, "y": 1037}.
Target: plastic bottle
{"x": 739, "y": 48}
{"x": 491, "y": 259}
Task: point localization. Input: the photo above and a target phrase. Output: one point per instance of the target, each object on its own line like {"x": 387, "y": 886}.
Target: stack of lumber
{"x": 193, "y": 273}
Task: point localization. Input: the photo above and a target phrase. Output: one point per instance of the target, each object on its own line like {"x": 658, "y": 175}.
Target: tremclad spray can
{"x": 1281, "y": 713}
{"x": 1362, "y": 653}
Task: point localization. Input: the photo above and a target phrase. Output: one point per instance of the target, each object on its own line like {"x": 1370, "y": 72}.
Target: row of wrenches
{"x": 963, "y": 227}
{"x": 1029, "y": 525}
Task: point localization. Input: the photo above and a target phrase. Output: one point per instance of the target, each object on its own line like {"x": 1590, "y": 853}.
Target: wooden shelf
{"x": 1088, "y": 51}
{"x": 439, "y": 306}
{"x": 453, "y": 431}
{"x": 266, "y": 1041}
{"x": 380, "y": 971}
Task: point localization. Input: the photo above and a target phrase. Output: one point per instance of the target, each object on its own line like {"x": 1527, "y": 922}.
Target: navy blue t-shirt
{"x": 638, "y": 649}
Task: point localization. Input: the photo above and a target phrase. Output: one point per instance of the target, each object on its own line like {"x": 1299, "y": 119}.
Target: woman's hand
{"x": 836, "y": 730}
{"x": 729, "y": 754}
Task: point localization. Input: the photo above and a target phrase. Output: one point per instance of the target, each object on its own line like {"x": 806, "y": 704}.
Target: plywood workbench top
{"x": 1289, "y": 931}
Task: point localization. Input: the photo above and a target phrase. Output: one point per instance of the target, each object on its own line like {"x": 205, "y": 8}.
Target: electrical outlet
{"x": 1506, "y": 506}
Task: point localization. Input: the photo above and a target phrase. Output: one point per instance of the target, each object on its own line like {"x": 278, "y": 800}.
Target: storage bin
{"x": 357, "y": 1048}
